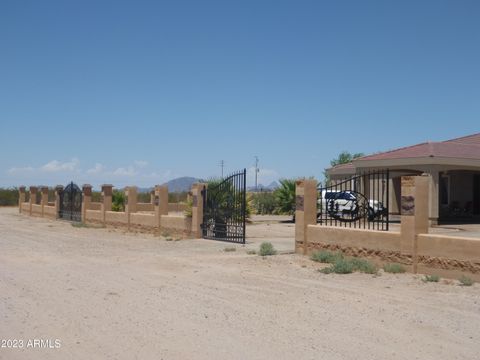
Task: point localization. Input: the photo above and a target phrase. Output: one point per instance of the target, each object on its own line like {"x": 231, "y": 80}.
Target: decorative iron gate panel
{"x": 224, "y": 209}
{"x": 71, "y": 203}
{"x": 361, "y": 201}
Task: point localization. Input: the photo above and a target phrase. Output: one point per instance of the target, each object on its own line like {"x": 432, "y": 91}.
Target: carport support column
{"x": 21, "y": 197}
{"x": 130, "y": 202}
{"x": 33, "y": 197}
{"x": 86, "y": 200}
{"x": 198, "y": 192}
{"x": 305, "y": 212}
{"x": 58, "y": 192}
{"x": 107, "y": 190}
{"x": 44, "y": 199}
{"x": 414, "y": 214}
{"x": 160, "y": 203}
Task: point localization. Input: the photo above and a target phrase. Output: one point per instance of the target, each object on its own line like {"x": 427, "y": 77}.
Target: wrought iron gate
{"x": 224, "y": 209}
{"x": 361, "y": 201}
{"x": 71, "y": 203}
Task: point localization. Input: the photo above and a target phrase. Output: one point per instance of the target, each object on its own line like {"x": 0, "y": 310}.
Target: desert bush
{"x": 325, "y": 256}
{"x": 343, "y": 265}
{"x": 431, "y": 278}
{"x": 96, "y": 196}
{"x": 188, "y": 209}
{"x": 251, "y": 252}
{"x": 230, "y": 249}
{"x": 177, "y": 197}
{"x": 263, "y": 203}
{"x": 118, "y": 201}
{"x": 144, "y": 197}
{"x": 394, "y": 268}
{"x": 8, "y": 197}
{"x": 266, "y": 249}
{"x": 466, "y": 281}
{"x": 363, "y": 265}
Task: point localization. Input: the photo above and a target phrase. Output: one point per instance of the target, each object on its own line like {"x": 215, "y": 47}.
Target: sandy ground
{"x": 109, "y": 295}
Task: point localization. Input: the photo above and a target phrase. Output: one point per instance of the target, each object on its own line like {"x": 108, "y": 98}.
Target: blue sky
{"x": 139, "y": 92}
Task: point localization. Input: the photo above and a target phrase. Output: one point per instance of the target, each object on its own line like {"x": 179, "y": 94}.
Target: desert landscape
{"x": 108, "y": 294}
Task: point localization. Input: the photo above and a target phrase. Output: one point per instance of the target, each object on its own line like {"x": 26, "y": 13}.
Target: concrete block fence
{"x": 157, "y": 216}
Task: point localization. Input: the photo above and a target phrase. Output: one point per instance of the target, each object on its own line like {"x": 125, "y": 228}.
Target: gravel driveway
{"x": 106, "y": 294}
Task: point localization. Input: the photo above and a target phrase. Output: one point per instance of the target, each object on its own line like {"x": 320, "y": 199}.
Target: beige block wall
{"x": 25, "y": 207}
{"x": 114, "y": 217}
{"x": 94, "y": 215}
{"x": 180, "y": 223}
{"x": 95, "y": 206}
{"x": 359, "y": 238}
{"x": 145, "y": 207}
{"x": 142, "y": 219}
{"x": 49, "y": 211}
{"x": 36, "y": 209}
{"x": 454, "y": 247}
{"x": 177, "y": 207}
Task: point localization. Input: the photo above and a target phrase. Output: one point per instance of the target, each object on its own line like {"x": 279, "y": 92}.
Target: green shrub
{"x": 189, "y": 208}
{"x": 342, "y": 266}
{"x": 9, "y": 197}
{"x": 431, "y": 278}
{"x": 230, "y": 249}
{"x": 363, "y": 265}
{"x": 266, "y": 249}
{"x": 118, "y": 201}
{"x": 264, "y": 203}
{"x": 394, "y": 268}
{"x": 251, "y": 252}
{"x": 325, "y": 256}
{"x": 466, "y": 281}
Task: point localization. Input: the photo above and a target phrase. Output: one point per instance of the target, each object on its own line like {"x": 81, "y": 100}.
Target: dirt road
{"x": 108, "y": 295}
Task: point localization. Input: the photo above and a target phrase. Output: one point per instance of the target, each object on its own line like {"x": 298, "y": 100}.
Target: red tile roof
{"x": 467, "y": 147}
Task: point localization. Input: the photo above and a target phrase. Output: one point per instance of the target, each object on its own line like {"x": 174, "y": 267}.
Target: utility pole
{"x": 256, "y": 173}
{"x": 222, "y": 164}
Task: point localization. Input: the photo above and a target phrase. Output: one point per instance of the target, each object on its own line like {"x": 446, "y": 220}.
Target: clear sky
{"x": 139, "y": 92}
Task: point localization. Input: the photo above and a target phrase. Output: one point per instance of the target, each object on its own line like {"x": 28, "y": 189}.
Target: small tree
{"x": 285, "y": 196}
{"x": 343, "y": 158}
{"x": 118, "y": 201}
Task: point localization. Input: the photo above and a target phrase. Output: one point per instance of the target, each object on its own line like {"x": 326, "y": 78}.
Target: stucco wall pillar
{"x": 152, "y": 197}
{"x": 106, "y": 203}
{"x": 434, "y": 194}
{"x": 33, "y": 197}
{"x": 86, "y": 200}
{"x": 414, "y": 213}
{"x": 131, "y": 195}
{"x": 305, "y": 212}
{"x": 44, "y": 199}
{"x": 21, "y": 197}
{"x": 198, "y": 192}
{"x": 160, "y": 203}
{"x": 58, "y": 192}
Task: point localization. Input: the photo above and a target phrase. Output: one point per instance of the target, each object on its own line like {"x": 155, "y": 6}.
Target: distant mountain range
{"x": 271, "y": 187}
{"x": 181, "y": 184}
{"x": 185, "y": 184}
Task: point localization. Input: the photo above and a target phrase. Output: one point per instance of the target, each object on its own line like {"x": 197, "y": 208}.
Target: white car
{"x": 347, "y": 203}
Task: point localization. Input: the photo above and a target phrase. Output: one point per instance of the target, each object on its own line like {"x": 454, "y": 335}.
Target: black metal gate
{"x": 224, "y": 209}
{"x": 361, "y": 201}
{"x": 71, "y": 203}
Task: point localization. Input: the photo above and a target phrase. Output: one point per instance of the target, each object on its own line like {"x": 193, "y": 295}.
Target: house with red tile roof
{"x": 454, "y": 167}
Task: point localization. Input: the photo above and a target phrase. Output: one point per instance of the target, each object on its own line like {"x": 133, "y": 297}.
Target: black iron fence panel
{"x": 361, "y": 201}
{"x": 224, "y": 209}
{"x": 71, "y": 203}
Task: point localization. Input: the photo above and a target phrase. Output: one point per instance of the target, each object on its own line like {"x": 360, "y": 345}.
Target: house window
{"x": 444, "y": 186}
